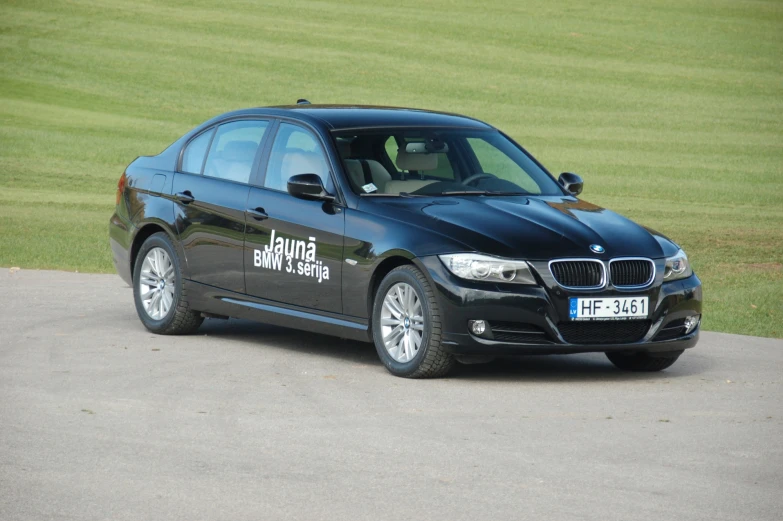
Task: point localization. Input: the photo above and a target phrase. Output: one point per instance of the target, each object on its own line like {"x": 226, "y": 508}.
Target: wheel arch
{"x": 144, "y": 232}
{"x": 391, "y": 261}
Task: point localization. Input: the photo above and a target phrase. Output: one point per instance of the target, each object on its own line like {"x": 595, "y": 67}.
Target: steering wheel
{"x": 476, "y": 177}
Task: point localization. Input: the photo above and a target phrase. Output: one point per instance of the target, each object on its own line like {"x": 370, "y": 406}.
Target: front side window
{"x": 234, "y": 149}
{"x": 296, "y": 151}
{"x": 193, "y": 157}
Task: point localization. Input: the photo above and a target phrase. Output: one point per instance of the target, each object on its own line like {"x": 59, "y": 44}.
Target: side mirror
{"x": 572, "y": 183}
{"x": 308, "y": 186}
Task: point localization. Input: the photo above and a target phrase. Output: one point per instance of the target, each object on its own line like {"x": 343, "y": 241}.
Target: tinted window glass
{"x": 495, "y": 162}
{"x": 391, "y": 149}
{"x": 296, "y": 151}
{"x": 443, "y": 168}
{"x": 438, "y": 161}
{"x": 194, "y": 154}
{"x": 233, "y": 150}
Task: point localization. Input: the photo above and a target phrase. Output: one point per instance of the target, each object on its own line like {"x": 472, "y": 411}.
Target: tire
{"x": 155, "y": 255}
{"x": 427, "y": 360}
{"x": 642, "y": 362}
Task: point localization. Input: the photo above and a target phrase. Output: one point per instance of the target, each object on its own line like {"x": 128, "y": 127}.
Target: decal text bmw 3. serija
{"x": 292, "y": 256}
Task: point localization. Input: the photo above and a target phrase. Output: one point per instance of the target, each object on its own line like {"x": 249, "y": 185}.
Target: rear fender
{"x": 154, "y": 224}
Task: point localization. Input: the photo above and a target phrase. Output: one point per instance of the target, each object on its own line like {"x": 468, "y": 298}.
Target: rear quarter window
{"x": 193, "y": 157}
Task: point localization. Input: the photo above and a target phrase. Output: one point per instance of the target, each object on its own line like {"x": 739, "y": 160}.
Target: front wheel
{"x": 643, "y": 362}
{"x": 158, "y": 289}
{"x": 406, "y": 326}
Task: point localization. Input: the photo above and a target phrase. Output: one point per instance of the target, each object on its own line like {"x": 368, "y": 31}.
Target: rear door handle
{"x": 258, "y": 213}
{"x": 185, "y": 197}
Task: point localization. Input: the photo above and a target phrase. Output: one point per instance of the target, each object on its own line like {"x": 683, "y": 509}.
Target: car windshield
{"x": 439, "y": 162}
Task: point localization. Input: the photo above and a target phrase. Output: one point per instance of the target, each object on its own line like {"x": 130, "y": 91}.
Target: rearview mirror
{"x": 308, "y": 186}
{"x": 572, "y": 183}
{"x": 431, "y": 146}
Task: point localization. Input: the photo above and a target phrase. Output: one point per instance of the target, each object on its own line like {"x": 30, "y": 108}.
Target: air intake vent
{"x": 631, "y": 272}
{"x": 674, "y": 329}
{"x": 518, "y": 333}
{"x": 578, "y": 274}
{"x": 604, "y": 332}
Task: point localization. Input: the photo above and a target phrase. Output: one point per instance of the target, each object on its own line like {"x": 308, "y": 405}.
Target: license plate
{"x": 607, "y": 308}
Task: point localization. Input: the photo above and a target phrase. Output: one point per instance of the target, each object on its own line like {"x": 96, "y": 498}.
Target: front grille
{"x": 631, "y": 272}
{"x": 674, "y": 329}
{"x": 578, "y": 273}
{"x": 518, "y": 333}
{"x": 604, "y": 332}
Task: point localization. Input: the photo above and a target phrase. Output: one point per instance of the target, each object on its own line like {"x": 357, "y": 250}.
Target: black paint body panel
{"x": 211, "y": 229}
{"x": 296, "y": 220}
{"x": 360, "y": 238}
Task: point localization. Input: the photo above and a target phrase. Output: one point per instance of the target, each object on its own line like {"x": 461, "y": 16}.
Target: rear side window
{"x": 234, "y": 149}
{"x": 194, "y": 154}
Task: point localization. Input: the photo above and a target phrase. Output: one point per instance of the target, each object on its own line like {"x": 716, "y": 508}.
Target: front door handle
{"x": 185, "y": 197}
{"x": 258, "y": 213}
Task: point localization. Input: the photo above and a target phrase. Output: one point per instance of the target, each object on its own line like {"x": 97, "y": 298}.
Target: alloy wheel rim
{"x": 157, "y": 283}
{"x": 402, "y": 322}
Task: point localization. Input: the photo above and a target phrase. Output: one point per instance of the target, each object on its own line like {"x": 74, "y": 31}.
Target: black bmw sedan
{"x": 435, "y": 236}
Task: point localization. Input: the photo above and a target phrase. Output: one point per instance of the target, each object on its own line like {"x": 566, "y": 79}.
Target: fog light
{"x": 691, "y": 322}
{"x": 477, "y": 327}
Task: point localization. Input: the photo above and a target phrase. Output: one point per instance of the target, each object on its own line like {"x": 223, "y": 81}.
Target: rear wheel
{"x": 643, "y": 362}
{"x": 406, "y": 326}
{"x": 158, "y": 289}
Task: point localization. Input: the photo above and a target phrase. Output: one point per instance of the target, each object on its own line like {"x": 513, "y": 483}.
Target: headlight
{"x": 677, "y": 267}
{"x": 472, "y": 266}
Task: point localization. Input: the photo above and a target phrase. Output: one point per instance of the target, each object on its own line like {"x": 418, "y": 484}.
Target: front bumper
{"x": 539, "y": 315}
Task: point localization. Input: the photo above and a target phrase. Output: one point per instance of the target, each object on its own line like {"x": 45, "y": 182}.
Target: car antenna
{"x": 302, "y": 101}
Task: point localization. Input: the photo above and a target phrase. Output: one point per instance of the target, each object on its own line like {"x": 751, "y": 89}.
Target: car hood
{"x": 534, "y": 228}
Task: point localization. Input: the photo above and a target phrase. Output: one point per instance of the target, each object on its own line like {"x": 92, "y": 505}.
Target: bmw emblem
{"x": 597, "y": 248}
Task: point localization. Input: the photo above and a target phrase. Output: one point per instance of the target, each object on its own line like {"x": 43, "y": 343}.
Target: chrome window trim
{"x": 642, "y": 286}
{"x": 604, "y": 275}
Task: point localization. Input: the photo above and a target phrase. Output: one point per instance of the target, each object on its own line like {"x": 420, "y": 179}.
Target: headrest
{"x": 406, "y": 161}
{"x": 239, "y": 150}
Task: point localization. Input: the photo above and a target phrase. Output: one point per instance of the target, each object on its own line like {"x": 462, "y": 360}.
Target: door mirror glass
{"x": 572, "y": 183}
{"x": 308, "y": 186}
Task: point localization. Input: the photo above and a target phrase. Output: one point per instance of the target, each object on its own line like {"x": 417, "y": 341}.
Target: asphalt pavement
{"x": 102, "y": 420}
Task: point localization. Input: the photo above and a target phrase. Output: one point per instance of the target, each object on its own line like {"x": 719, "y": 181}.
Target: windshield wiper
{"x": 401, "y": 194}
{"x": 480, "y": 192}
{"x": 463, "y": 192}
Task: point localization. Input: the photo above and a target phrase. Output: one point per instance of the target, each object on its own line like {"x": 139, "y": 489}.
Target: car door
{"x": 294, "y": 247}
{"x": 211, "y": 191}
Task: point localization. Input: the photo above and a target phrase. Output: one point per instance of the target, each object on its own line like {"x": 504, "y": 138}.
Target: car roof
{"x": 343, "y": 117}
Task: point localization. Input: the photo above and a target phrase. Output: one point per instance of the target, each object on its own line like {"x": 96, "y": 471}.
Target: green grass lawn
{"x": 671, "y": 110}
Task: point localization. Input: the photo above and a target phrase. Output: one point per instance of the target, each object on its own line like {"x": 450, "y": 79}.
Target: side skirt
{"x": 209, "y": 299}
